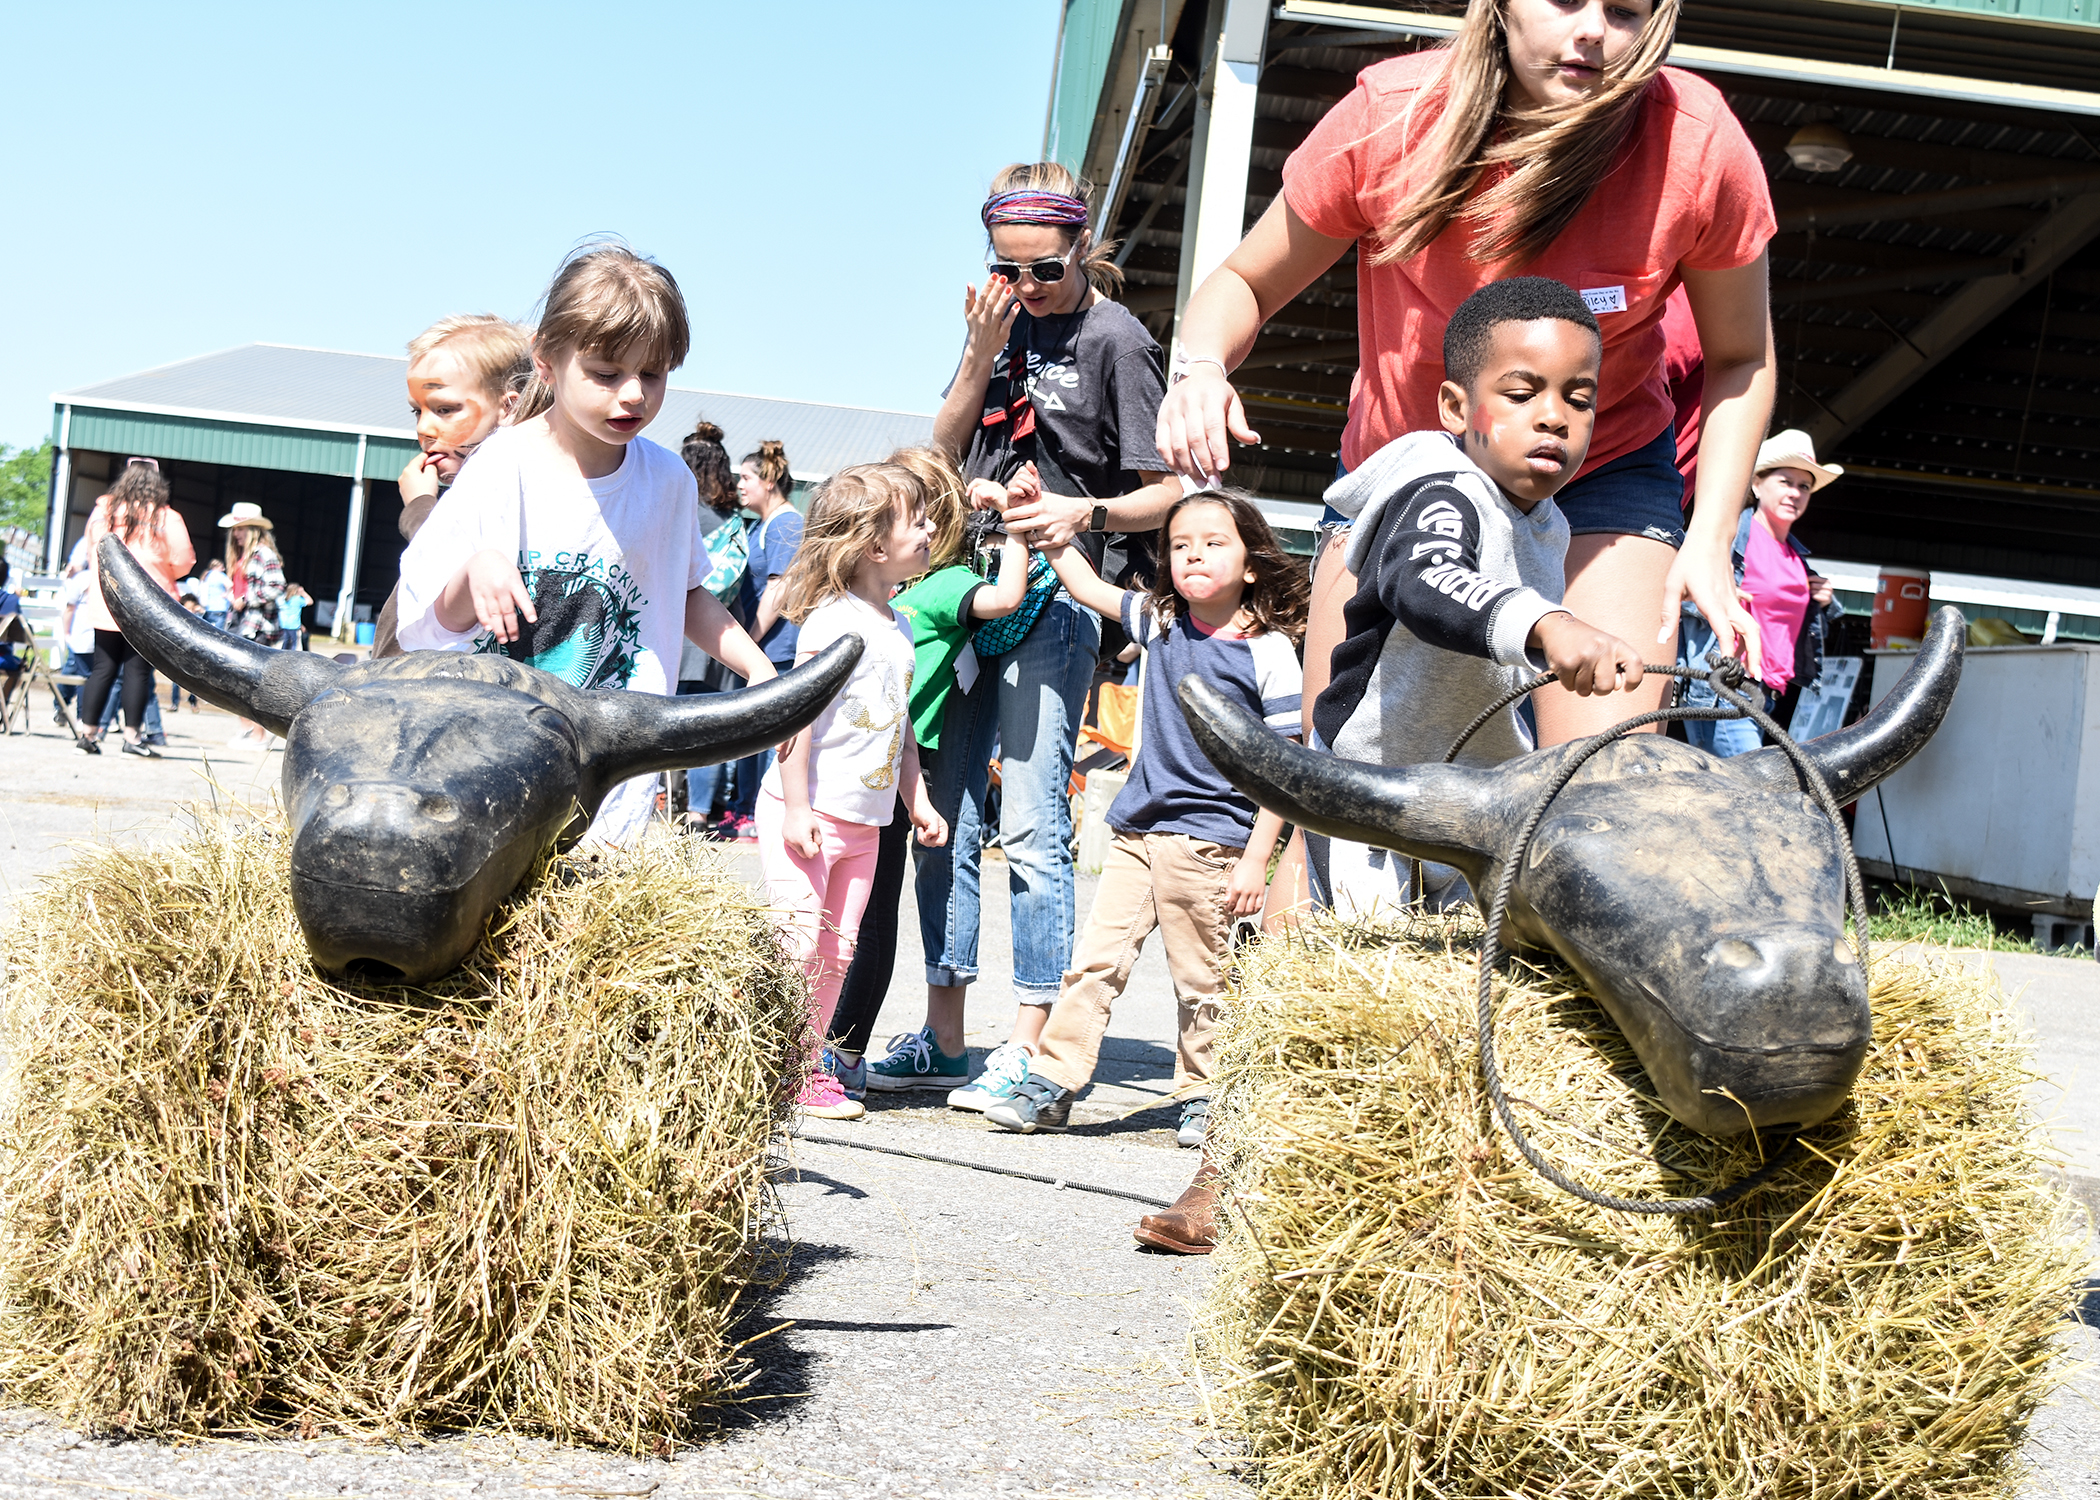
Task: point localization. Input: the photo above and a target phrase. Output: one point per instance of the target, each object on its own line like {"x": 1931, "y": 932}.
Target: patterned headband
{"x": 1030, "y": 206}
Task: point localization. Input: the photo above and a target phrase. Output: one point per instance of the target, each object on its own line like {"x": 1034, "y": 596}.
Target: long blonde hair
{"x": 851, "y": 511}
{"x": 945, "y": 503}
{"x": 1557, "y": 164}
{"x": 1096, "y": 257}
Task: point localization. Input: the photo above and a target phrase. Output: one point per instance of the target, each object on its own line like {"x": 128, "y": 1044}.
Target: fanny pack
{"x": 997, "y": 637}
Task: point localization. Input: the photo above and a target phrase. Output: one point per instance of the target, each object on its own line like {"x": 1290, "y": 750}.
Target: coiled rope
{"x": 1725, "y": 676}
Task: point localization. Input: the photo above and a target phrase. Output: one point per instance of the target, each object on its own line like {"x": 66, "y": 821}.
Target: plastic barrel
{"x": 1902, "y": 598}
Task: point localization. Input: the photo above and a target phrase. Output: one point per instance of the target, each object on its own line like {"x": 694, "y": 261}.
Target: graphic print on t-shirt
{"x": 589, "y": 621}
{"x": 882, "y": 779}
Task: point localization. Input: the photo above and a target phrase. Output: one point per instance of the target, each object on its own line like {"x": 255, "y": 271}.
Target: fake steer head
{"x": 422, "y": 788}
{"x": 1701, "y": 900}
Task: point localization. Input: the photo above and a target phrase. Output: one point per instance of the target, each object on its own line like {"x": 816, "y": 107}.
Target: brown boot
{"x": 1190, "y": 1227}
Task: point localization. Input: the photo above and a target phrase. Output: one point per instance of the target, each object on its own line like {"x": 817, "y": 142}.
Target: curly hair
{"x": 136, "y": 498}
{"x": 846, "y": 520}
{"x": 1277, "y": 599}
{"x": 704, "y": 454}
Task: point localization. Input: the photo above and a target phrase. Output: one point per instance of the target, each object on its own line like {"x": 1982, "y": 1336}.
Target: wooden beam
{"x": 1960, "y": 318}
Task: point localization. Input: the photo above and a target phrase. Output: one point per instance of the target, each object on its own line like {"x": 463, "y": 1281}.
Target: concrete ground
{"x": 954, "y": 1332}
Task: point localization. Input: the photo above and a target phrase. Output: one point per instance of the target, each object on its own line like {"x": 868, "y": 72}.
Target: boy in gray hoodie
{"x": 1458, "y": 551}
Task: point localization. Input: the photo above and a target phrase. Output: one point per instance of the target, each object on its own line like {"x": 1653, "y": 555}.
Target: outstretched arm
{"x": 714, "y": 630}
{"x": 1083, "y": 583}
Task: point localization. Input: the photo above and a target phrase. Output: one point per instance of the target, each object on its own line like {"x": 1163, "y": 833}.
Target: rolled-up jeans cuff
{"x": 948, "y": 978}
{"x": 1030, "y": 995}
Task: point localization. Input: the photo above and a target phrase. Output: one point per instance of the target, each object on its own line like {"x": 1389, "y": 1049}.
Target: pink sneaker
{"x": 822, "y": 1098}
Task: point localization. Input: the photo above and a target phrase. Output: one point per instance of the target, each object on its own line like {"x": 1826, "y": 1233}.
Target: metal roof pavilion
{"x": 302, "y": 414}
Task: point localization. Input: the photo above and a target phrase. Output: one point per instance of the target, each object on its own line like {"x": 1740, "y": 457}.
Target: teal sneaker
{"x": 1004, "y": 1068}
{"x": 914, "y": 1062}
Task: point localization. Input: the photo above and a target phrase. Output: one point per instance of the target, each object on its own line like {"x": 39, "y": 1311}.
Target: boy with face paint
{"x": 465, "y": 374}
{"x": 1459, "y": 550}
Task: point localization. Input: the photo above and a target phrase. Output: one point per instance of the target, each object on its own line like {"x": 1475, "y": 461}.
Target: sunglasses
{"x": 150, "y": 463}
{"x": 1046, "y": 272}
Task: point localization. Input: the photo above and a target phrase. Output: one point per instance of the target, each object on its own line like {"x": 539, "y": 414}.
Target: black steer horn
{"x": 422, "y": 788}
{"x": 1701, "y": 900}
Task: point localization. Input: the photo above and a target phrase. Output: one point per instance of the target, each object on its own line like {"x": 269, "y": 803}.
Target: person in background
{"x": 75, "y": 632}
{"x": 944, "y": 610}
{"x": 136, "y": 512}
{"x": 215, "y": 592}
{"x": 825, "y": 800}
{"x": 1793, "y": 607}
{"x": 764, "y": 485}
{"x": 291, "y": 612}
{"x": 466, "y": 374}
{"x": 257, "y": 575}
{"x": 12, "y": 664}
{"x": 722, "y": 532}
{"x": 1055, "y": 373}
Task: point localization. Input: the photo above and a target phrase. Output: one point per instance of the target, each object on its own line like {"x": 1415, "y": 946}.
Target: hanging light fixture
{"x": 1819, "y": 147}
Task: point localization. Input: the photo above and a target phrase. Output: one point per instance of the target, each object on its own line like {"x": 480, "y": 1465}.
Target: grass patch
{"x": 1918, "y": 914}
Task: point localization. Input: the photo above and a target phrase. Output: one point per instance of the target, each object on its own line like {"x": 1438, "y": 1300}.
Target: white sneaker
{"x": 1004, "y": 1068}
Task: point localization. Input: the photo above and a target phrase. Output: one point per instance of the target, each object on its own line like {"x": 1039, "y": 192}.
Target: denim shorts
{"x": 1636, "y": 494}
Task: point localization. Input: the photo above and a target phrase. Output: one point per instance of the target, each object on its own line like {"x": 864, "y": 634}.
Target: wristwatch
{"x": 1099, "y": 520}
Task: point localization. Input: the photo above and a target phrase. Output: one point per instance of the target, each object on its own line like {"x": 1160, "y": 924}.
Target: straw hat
{"x": 248, "y": 513}
{"x": 1791, "y": 449}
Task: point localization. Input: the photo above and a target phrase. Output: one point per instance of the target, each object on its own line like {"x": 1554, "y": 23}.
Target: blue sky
{"x": 192, "y": 177}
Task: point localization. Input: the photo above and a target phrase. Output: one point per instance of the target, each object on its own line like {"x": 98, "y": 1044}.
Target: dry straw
{"x": 237, "y": 1195}
{"x": 1404, "y": 1308}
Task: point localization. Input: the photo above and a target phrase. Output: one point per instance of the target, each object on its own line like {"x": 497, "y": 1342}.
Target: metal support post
{"x": 1216, "y": 215}
{"x": 353, "y": 550}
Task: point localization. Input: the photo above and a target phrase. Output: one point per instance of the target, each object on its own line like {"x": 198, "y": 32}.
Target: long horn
{"x": 633, "y": 734}
{"x": 1443, "y": 813}
{"x": 1857, "y": 759}
{"x": 253, "y": 681}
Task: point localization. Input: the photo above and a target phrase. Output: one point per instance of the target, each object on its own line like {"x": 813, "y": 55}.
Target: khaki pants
{"x": 1164, "y": 880}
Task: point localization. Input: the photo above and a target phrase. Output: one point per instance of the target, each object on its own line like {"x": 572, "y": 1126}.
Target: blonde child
{"x": 465, "y": 375}
{"x": 1191, "y": 855}
{"x": 572, "y": 543}
{"x": 942, "y": 609}
{"x": 822, "y": 806}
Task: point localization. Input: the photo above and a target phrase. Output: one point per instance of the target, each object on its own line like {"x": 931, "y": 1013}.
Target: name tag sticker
{"x": 1604, "y": 299}
{"x": 966, "y": 668}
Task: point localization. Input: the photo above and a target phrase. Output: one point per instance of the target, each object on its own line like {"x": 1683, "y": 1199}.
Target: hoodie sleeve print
{"x": 1280, "y": 680}
{"x": 1427, "y": 576}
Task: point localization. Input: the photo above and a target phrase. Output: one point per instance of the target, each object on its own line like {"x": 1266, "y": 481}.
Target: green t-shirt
{"x": 938, "y": 610}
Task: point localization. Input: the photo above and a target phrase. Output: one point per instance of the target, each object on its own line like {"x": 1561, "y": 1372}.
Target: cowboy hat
{"x": 247, "y": 513}
{"x": 1793, "y": 449}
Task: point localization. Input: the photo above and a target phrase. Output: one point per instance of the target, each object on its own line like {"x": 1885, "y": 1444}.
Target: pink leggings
{"x": 822, "y": 898}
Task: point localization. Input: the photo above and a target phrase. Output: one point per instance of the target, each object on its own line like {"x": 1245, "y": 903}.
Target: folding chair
{"x": 15, "y": 631}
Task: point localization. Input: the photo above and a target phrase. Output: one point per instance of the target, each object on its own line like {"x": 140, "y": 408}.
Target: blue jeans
{"x": 1722, "y": 737}
{"x": 219, "y": 619}
{"x": 1028, "y": 701}
{"x": 76, "y": 666}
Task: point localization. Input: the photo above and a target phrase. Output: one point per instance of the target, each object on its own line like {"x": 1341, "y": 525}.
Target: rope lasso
{"x": 1724, "y": 676}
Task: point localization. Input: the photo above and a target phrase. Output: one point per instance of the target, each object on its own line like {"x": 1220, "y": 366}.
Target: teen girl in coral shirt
{"x": 1548, "y": 139}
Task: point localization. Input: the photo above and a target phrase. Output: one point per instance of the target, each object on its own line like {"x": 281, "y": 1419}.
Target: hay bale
{"x": 236, "y": 1194}
{"x": 1403, "y": 1307}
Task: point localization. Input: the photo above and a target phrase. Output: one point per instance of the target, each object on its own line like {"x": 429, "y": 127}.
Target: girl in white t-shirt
{"x": 837, "y": 783}
{"x": 569, "y": 541}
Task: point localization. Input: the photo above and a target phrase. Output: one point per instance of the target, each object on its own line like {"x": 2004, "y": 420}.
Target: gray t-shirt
{"x": 1096, "y": 379}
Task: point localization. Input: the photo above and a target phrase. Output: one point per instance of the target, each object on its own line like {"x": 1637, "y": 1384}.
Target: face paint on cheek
{"x": 1480, "y": 428}
{"x": 466, "y": 427}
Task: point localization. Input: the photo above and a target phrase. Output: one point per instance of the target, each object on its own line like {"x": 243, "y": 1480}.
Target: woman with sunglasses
{"x": 1057, "y": 374}
{"x": 1449, "y": 168}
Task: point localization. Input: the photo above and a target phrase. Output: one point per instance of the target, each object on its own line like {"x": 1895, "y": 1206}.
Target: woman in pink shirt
{"x": 1792, "y": 606}
{"x": 1452, "y": 168}
{"x": 136, "y": 509}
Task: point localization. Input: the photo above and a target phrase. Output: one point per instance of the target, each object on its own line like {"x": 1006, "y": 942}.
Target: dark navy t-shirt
{"x": 1173, "y": 787}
